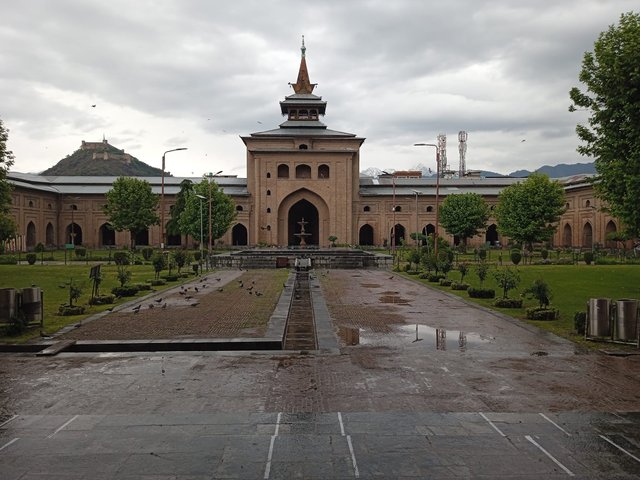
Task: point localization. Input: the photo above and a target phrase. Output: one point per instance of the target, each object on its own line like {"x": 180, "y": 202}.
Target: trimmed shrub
{"x": 125, "y": 291}
{"x": 459, "y": 286}
{"x": 516, "y": 256}
{"x": 538, "y": 313}
{"x": 435, "y": 277}
{"x": 31, "y": 258}
{"x": 8, "y": 260}
{"x": 564, "y": 261}
{"x": 142, "y": 286}
{"x": 81, "y": 252}
{"x": 67, "y": 310}
{"x": 482, "y": 254}
{"x": 445, "y": 282}
{"x": 121, "y": 258}
{"x": 580, "y": 322}
{"x": 424, "y": 276}
{"x": 508, "y": 303}
{"x": 171, "y": 278}
{"x": 588, "y": 257}
{"x": 481, "y": 292}
{"x": 101, "y": 300}
{"x": 544, "y": 253}
{"x": 157, "y": 283}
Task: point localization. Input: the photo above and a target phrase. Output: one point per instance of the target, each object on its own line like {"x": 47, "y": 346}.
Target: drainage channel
{"x": 300, "y": 331}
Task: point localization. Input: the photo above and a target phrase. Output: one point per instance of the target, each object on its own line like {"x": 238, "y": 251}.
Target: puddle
{"x": 415, "y": 336}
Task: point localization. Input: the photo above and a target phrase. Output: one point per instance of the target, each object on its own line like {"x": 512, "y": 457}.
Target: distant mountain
{"x": 102, "y": 159}
{"x": 558, "y": 171}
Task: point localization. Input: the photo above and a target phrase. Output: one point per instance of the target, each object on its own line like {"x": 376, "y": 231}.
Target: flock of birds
{"x": 188, "y": 294}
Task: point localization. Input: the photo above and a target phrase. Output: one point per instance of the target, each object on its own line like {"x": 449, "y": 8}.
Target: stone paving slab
{"x": 329, "y": 446}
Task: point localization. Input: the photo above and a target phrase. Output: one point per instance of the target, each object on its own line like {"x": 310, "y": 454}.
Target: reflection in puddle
{"x": 420, "y": 336}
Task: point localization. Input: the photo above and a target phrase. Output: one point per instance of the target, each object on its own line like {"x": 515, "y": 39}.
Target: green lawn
{"x": 54, "y": 280}
{"x": 571, "y": 286}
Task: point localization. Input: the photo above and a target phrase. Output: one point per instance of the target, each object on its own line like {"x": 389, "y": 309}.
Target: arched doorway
{"x": 73, "y": 234}
{"x": 399, "y": 234}
{"x": 610, "y": 229}
{"x": 142, "y": 237}
{"x": 31, "y": 236}
{"x": 305, "y": 211}
{"x": 239, "y": 235}
{"x": 491, "y": 236}
{"x": 567, "y": 236}
{"x": 587, "y": 235}
{"x": 50, "y": 236}
{"x": 107, "y": 235}
{"x": 174, "y": 240}
{"x": 429, "y": 230}
{"x": 366, "y": 235}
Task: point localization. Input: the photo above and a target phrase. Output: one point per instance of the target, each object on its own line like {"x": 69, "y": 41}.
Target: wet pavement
{"x": 469, "y": 394}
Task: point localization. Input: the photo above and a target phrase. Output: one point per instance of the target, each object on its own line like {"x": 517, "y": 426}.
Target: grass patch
{"x": 571, "y": 285}
{"x": 54, "y": 282}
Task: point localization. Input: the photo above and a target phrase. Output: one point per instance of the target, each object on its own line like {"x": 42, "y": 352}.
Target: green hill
{"x": 102, "y": 159}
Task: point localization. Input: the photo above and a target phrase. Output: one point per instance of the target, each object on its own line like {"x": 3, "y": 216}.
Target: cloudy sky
{"x": 199, "y": 74}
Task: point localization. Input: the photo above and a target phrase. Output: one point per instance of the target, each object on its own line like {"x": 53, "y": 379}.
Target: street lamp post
{"x": 417, "y": 222}
{"x": 209, "y": 177}
{"x": 201, "y": 197}
{"x": 435, "y": 233}
{"x": 393, "y": 216}
{"x": 162, "y": 226}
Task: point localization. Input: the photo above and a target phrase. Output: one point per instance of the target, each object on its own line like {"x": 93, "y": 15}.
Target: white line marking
{"x": 353, "y": 457}
{"x": 341, "y": 424}
{"x": 60, "y": 428}
{"x": 555, "y": 424}
{"x": 567, "y": 471}
{"x": 492, "y": 424}
{"x": 12, "y": 418}
{"x": 620, "y": 448}
{"x": 267, "y": 468}
{"x": 8, "y": 443}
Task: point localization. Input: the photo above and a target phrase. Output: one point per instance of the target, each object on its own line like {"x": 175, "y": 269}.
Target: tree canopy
{"x": 7, "y": 225}
{"x": 131, "y": 205}
{"x": 173, "y": 225}
{"x": 528, "y": 211}
{"x": 223, "y": 211}
{"x": 611, "y": 75}
{"x": 464, "y": 215}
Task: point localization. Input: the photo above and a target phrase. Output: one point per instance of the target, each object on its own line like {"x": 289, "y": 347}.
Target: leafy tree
{"x": 464, "y": 215}
{"x": 7, "y": 224}
{"x": 159, "y": 263}
{"x": 173, "y": 225}
{"x": 132, "y": 206}
{"x": 482, "y": 269}
{"x": 540, "y": 291}
{"x": 463, "y": 268}
{"x": 612, "y": 136}
{"x": 123, "y": 274}
{"x": 528, "y": 211}
{"x": 507, "y": 280}
{"x": 223, "y": 211}
{"x": 181, "y": 257}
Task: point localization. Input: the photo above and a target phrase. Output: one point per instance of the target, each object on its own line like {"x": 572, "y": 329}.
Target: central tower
{"x": 302, "y": 170}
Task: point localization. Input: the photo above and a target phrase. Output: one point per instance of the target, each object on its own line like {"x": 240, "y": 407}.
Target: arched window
{"x": 268, "y": 175}
{"x": 587, "y": 203}
{"x": 566, "y": 205}
{"x": 283, "y": 171}
{"x": 30, "y": 203}
{"x": 367, "y": 208}
{"x": 429, "y": 209}
{"x": 313, "y": 114}
{"x": 303, "y": 171}
{"x": 303, "y": 114}
{"x": 268, "y": 210}
{"x": 397, "y": 208}
{"x": 323, "y": 171}
{"x": 239, "y": 208}
{"x": 49, "y": 206}
{"x": 293, "y": 114}
{"x": 268, "y": 192}
{"x": 303, "y": 146}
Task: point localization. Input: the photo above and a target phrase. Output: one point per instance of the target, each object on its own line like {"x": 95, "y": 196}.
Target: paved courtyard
{"x": 423, "y": 386}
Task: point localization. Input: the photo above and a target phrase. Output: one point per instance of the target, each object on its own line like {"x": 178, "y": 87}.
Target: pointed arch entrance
{"x": 491, "y": 237}
{"x": 587, "y": 235}
{"x": 400, "y": 234}
{"x": 107, "y": 235}
{"x": 567, "y": 236}
{"x": 74, "y": 234}
{"x": 31, "y": 236}
{"x": 610, "y": 231}
{"x": 239, "y": 235}
{"x": 366, "y": 235}
{"x": 303, "y": 203}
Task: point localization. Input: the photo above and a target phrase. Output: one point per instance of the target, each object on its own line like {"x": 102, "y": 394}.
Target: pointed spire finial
{"x": 303, "y": 84}
{"x": 303, "y": 49}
